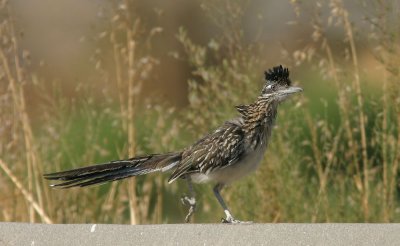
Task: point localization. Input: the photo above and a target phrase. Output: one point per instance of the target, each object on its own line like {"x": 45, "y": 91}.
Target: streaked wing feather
{"x": 217, "y": 150}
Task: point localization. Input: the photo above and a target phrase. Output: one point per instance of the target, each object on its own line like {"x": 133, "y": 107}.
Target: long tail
{"x": 114, "y": 170}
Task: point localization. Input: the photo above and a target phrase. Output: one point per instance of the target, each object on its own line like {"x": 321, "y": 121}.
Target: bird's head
{"x": 278, "y": 85}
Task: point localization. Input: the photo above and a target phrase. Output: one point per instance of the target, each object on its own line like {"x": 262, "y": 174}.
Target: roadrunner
{"x": 229, "y": 153}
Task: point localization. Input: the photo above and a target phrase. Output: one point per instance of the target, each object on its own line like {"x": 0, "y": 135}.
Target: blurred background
{"x": 84, "y": 82}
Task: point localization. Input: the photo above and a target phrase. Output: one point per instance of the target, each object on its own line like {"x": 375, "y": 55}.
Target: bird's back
{"x": 233, "y": 150}
{"x": 215, "y": 151}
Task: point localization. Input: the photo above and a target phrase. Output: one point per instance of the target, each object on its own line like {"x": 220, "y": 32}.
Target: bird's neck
{"x": 258, "y": 120}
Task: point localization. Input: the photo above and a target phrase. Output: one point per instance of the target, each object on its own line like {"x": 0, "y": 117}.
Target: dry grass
{"x": 365, "y": 140}
{"x": 13, "y": 72}
{"x": 334, "y": 159}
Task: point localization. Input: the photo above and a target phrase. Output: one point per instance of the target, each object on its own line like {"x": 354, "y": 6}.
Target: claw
{"x": 231, "y": 220}
{"x": 188, "y": 201}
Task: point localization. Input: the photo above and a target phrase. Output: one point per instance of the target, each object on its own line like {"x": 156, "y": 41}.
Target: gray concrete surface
{"x": 200, "y": 234}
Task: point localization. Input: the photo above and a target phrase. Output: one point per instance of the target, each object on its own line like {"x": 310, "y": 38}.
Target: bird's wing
{"x": 217, "y": 150}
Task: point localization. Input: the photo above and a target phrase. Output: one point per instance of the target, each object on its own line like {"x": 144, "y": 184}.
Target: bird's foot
{"x": 231, "y": 220}
{"x": 191, "y": 202}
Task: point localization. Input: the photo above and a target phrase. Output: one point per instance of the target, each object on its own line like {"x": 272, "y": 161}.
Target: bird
{"x": 227, "y": 154}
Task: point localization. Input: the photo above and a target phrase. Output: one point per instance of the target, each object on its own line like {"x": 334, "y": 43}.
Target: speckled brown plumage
{"x": 223, "y": 156}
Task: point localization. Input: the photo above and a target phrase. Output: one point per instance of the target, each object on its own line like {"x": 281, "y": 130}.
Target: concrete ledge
{"x": 199, "y": 234}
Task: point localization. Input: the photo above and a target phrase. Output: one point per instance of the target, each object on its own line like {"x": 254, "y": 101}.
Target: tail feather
{"x": 115, "y": 170}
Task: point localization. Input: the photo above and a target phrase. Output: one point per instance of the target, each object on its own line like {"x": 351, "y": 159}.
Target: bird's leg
{"x": 189, "y": 201}
{"x": 229, "y": 218}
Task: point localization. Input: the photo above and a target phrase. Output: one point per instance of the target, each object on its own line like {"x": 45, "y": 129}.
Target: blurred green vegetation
{"x": 334, "y": 153}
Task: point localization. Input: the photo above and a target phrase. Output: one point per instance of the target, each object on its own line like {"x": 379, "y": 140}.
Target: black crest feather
{"x": 277, "y": 74}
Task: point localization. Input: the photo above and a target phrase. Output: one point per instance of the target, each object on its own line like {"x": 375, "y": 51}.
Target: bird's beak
{"x": 291, "y": 90}
{"x": 283, "y": 94}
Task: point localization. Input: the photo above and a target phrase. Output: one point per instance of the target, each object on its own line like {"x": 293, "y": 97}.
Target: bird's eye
{"x": 270, "y": 87}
